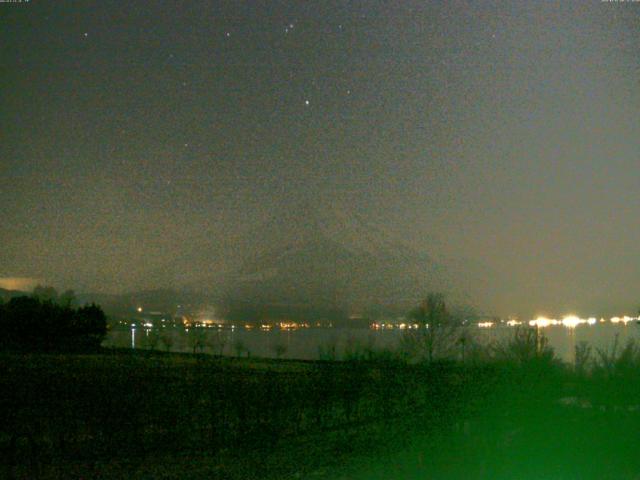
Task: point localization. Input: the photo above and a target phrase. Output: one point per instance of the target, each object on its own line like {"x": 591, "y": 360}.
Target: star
{"x": 228, "y": 34}
{"x": 306, "y": 102}
{"x": 86, "y": 34}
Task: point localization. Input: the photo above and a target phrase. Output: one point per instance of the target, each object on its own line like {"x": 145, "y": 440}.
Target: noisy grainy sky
{"x": 134, "y": 133}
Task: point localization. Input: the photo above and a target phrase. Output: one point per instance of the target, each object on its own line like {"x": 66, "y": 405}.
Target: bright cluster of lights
{"x": 291, "y": 325}
{"x": 624, "y": 319}
{"x": 382, "y": 326}
{"x": 568, "y": 321}
{"x": 572, "y": 321}
{"x": 391, "y": 326}
{"x": 543, "y": 322}
{"x": 288, "y": 325}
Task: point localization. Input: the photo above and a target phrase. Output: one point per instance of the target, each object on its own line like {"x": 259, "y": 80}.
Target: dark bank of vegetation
{"x": 45, "y": 322}
{"x": 440, "y": 407}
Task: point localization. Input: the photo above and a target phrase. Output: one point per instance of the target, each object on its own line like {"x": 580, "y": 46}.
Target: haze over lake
{"x": 306, "y": 343}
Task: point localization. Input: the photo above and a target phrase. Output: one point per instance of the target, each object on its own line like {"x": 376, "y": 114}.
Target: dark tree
{"x": 90, "y": 325}
{"x": 34, "y": 324}
{"x": 67, "y": 298}
{"x": 437, "y": 332}
{"x": 45, "y": 293}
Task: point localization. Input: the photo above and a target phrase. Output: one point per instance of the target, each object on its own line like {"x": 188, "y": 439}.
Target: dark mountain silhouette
{"x": 316, "y": 261}
{"x": 313, "y": 259}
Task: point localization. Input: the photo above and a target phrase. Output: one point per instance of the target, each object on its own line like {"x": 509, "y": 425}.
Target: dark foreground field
{"x": 142, "y": 415}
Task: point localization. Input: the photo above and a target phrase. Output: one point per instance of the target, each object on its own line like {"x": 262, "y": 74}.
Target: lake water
{"x": 306, "y": 343}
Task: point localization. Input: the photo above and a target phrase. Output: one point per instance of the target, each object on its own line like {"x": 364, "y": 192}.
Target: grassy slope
{"x": 471, "y": 424}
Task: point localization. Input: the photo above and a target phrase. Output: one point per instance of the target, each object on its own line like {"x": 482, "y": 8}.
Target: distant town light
{"x": 572, "y": 321}
{"x": 543, "y": 322}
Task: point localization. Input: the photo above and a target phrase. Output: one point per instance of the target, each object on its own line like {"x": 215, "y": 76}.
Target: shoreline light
{"x": 571, "y": 321}
{"x": 543, "y": 322}
{"x": 626, "y": 319}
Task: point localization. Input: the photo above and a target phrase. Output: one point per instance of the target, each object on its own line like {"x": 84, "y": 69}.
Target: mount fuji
{"x": 312, "y": 261}
{"x": 318, "y": 259}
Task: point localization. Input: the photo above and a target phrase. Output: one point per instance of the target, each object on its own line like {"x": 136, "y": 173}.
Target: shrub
{"x": 527, "y": 346}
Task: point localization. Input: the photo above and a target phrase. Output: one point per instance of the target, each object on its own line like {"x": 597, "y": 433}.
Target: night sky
{"x": 134, "y": 134}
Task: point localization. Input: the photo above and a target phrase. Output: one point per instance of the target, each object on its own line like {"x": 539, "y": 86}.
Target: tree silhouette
{"x": 36, "y": 324}
{"x": 67, "y": 298}
{"x": 197, "y": 339}
{"x": 437, "y": 333}
{"x": 152, "y": 338}
{"x": 167, "y": 340}
{"x": 279, "y": 349}
{"x": 45, "y": 293}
